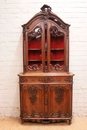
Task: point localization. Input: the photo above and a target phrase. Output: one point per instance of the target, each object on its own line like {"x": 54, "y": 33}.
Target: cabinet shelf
{"x": 34, "y": 49}
{"x": 57, "y": 49}
{"x": 57, "y": 60}
{"x": 34, "y": 60}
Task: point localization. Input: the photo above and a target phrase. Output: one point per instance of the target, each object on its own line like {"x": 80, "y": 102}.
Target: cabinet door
{"x": 60, "y": 101}
{"x": 33, "y": 48}
{"x": 57, "y": 48}
{"x": 32, "y": 101}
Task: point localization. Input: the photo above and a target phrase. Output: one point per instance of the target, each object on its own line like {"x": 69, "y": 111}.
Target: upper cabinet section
{"x": 45, "y": 43}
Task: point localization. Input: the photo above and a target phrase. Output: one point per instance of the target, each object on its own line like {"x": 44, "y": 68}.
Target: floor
{"x": 78, "y": 123}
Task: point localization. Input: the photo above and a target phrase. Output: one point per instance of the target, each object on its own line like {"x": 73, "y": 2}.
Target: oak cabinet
{"x": 46, "y": 84}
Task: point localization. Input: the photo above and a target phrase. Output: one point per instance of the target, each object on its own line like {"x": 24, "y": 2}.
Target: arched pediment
{"x": 47, "y": 14}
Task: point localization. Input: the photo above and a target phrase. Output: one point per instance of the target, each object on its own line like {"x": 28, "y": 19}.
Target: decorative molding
{"x": 23, "y": 79}
{"x": 46, "y": 79}
{"x": 68, "y": 79}
{"x": 56, "y": 67}
{"x": 32, "y": 114}
{"x": 59, "y": 114}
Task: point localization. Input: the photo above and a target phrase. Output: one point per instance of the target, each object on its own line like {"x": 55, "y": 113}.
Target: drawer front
{"x": 51, "y": 79}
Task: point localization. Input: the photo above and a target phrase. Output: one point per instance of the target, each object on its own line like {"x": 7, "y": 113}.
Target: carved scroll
{"x": 36, "y": 33}
{"x": 56, "y": 67}
{"x": 59, "y": 114}
{"x": 34, "y": 67}
{"x": 54, "y": 31}
{"x": 32, "y": 114}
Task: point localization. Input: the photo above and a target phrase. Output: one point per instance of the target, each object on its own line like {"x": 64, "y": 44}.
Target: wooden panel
{"x": 50, "y": 79}
{"x": 60, "y": 99}
{"x": 32, "y": 101}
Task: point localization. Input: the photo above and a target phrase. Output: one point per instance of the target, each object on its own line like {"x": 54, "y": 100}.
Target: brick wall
{"x": 14, "y": 13}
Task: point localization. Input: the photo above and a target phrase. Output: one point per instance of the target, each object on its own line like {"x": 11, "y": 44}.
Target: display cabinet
{"x": 46, "y": 83}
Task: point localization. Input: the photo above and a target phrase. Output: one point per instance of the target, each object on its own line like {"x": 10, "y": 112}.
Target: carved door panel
{"x": 32, "y": 101}
{"x": 60, "y": 101}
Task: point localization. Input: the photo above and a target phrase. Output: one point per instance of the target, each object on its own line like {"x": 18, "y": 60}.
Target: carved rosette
{"x": 32, "y": 92}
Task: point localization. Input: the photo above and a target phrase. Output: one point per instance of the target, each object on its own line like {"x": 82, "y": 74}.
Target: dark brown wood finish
{"x": 46, "y": 84}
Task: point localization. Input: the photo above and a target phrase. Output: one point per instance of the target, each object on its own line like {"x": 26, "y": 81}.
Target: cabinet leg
{"x": 22, "y": 121}
{"x": 69, "y": 121}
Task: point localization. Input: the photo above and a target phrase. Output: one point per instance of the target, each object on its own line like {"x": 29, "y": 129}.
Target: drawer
{"x": 47, "y": 79}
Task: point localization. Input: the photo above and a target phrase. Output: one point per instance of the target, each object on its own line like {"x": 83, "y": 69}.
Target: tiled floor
{"x": 78, "y": 123}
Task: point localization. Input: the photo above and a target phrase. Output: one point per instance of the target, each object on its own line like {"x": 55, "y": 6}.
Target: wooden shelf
{"x": 55, "y": 49}
{"x": 35, "y": 60}
{"x": 57, "y": 60}
{"x": 34, "y": 49}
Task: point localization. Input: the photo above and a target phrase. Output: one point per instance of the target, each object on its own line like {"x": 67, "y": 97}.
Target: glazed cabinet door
{"x": 32, "y": 101}
{"x": 60, "y": 101}
{"x": 33, "y": 48}
{"x": 57, "y": 53}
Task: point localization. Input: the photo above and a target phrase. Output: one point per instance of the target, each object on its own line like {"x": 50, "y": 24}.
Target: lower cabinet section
{"x": 46, "y": 102}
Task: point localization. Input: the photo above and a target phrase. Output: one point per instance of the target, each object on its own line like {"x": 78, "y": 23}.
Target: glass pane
{"x": 34, "y": 49}
{"x": 56, "y": 49}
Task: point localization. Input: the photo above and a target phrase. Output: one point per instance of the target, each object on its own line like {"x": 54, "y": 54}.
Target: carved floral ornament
{"x": 59, "y": 92}
{"x": 32, "y": 92}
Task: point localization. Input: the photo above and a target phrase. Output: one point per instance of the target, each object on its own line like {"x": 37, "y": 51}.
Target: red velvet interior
{"x": 34, "y": 43}
{"x": 58, "y": 55}
{"x": 34, "y": 55}
{"x": 57, "y": 42}
{"x": 56, "y": 52}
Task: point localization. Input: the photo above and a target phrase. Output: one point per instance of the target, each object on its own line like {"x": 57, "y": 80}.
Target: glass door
{"x": 34, "y": 49}
{"x": 56, "y": 52}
